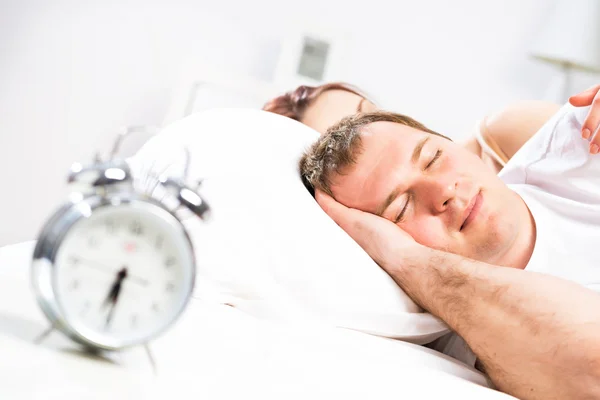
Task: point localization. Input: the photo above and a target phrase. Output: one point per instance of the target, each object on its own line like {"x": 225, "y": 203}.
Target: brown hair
{"x": 294, "y": 103}
{"x": 338, "y": 148}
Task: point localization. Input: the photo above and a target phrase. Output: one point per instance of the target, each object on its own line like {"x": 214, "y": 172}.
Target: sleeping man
{"x": 509, "y": 262}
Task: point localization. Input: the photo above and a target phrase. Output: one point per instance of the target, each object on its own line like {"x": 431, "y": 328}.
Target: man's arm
{"x": 537, "y": 336}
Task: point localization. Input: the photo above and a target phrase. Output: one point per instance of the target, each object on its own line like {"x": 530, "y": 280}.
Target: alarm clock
{"x": 114, "y": 267}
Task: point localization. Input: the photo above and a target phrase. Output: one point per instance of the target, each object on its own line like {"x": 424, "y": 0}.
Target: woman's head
{"x": 320, "y": 106}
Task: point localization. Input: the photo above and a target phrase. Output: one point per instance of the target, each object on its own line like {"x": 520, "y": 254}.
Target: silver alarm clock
{"x": 114, "y": 267}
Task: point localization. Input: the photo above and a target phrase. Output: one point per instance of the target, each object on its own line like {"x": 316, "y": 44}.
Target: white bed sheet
{"x": 217, "y": 352}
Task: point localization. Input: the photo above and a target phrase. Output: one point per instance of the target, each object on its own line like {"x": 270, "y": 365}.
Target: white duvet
{"x": 217, "y": 352}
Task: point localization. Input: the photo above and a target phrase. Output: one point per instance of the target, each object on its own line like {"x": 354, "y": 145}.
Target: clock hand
{"x": 113, "y": 295}
{"x": 105, "y": 268}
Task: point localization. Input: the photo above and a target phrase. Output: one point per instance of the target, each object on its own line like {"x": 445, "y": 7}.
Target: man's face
{"x": 437, "y": 191}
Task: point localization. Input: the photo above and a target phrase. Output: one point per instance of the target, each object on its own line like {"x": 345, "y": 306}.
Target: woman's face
{"x": 331, "y": 106}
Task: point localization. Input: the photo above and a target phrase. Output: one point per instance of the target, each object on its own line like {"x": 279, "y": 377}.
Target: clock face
{"x": 123, "y": 274}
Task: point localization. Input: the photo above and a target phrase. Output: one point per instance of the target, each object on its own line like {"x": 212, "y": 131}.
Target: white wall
{"x": 448, "y": 63}
{"x": 74, "y": 71}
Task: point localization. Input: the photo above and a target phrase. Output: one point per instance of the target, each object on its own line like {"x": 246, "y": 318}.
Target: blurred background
{"x": 75, "y": 72}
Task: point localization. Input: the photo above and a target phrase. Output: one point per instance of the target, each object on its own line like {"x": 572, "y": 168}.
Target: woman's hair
{"x": 294, "y": 103}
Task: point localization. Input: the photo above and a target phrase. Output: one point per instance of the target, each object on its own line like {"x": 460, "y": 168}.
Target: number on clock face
{"x": 121, "y": 272}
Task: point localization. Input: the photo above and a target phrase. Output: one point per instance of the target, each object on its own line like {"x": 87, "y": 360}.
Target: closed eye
{"x": 401, "y": 215}
{"x": 434, "y": 159}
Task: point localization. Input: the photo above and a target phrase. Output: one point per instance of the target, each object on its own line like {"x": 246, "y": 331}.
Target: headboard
{"x": 209, "y": 89}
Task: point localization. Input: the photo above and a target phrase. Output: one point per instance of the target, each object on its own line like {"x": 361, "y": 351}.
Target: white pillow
{"x": 269, "y": 249}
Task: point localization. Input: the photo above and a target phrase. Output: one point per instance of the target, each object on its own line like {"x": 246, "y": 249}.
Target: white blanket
{"x": 217, "y": 352}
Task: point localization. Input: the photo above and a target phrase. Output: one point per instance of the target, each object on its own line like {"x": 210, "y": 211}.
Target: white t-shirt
{"x": 559, "y": 180}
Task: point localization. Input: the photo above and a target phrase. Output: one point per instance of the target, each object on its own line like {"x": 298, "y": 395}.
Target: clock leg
{"x": 151, "y": 358}
{"x": 40, "y": 338}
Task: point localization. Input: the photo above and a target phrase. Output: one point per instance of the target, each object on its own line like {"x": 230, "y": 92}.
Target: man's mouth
{"x": 472, "y": 210}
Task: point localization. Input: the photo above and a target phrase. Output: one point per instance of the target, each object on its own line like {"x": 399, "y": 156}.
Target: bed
{"x": 216, "y": 352}
{"x": 224, "y": 346}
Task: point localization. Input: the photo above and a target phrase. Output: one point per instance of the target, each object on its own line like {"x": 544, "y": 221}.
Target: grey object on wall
{"x": 313, "y": 59}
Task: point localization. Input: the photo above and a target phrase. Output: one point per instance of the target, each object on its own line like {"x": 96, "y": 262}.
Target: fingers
{"x": 356, "y": 223}
{"x": 360, "y": 226}
{"x": 338, "y": 212}
{"x": 323, "y": 199}
{"x": 384, "y": 241}
{"x": 591, "y": 125}
{"x": 584, "y": 98}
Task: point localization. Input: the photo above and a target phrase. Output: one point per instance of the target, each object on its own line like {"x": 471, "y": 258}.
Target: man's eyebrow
{"x": 418, "y": 148}
{"x": 392, "y": 196}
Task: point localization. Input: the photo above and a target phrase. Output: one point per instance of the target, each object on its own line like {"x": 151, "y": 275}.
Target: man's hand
{"x": 384, "y": 241}
{"x": 591, "y": 125}
{"x": 536, "y": 335}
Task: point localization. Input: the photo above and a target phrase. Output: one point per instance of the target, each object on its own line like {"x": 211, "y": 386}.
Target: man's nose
{"x": 441, "y": 193}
